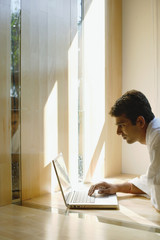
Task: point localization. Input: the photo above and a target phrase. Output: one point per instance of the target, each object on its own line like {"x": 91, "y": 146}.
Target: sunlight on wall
{"x": 51, "y": 131}
{"x": 73, "y": 108}
{"x": 94, "y": 79}
{"x": 99, "y": 169}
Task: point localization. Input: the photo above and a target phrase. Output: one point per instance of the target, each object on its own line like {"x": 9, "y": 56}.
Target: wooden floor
{"x": 23, "y": 223}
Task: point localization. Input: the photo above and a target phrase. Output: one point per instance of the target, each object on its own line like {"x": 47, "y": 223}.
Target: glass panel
{"x": 15, "y": 95}
{"x": 80, "y": 91}
{"x": 91, "y": 112}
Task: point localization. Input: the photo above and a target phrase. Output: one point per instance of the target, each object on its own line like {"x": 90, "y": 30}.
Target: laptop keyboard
{"x": 82, "y": 197}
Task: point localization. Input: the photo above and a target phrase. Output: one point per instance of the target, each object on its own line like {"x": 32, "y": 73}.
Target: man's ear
{"x": 140, "y": 121}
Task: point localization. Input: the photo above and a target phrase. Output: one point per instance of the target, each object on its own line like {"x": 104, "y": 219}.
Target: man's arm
{"x": 108, "y": 188}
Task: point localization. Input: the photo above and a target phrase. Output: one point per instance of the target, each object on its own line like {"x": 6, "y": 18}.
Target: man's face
{"x": 127, "y": 130}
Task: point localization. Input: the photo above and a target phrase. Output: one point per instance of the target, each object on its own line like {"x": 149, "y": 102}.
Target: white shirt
{"x": 150, "y": 182}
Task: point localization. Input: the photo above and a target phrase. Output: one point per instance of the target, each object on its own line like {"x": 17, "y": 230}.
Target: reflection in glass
{"x": 15, "y": 97}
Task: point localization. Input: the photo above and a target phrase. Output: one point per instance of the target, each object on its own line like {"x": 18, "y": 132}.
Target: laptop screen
{"x": 61, "y": 169}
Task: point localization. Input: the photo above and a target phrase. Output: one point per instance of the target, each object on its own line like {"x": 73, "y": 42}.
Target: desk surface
{"x": 17, "y": 222}
{"x": 135, "y": 211}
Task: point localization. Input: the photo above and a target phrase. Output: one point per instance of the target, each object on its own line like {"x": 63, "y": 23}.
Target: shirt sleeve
{"x": 142, "y": 183}
{"x": 154, "y": 177}
{"x": 150, "y": 183}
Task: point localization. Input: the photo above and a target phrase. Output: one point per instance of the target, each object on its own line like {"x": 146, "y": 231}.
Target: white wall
{"x": 140, "y": 68}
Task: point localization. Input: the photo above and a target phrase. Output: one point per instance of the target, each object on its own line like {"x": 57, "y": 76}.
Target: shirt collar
{"x": 154, "y": 124}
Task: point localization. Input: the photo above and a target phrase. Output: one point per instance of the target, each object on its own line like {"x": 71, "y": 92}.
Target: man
{"x": 136, "y": 122}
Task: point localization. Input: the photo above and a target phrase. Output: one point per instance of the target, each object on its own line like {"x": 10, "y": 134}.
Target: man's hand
{"x": 103, "y": 188}
{"x": 108, "y": 188}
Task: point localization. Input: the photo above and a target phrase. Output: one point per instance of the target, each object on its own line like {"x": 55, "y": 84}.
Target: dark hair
{"x": 133, "y": 104}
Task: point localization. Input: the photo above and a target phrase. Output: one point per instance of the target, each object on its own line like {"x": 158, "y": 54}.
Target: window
{"x": 80, "y": 91}
{"x": 91, "y": 101}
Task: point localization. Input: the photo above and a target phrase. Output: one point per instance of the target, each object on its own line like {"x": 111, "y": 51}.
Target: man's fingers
{"x": 96, "y": 187}
{"x": 91, "y": 190}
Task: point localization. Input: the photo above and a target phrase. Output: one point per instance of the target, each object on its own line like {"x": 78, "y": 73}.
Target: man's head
{"x": 133, "y": 113}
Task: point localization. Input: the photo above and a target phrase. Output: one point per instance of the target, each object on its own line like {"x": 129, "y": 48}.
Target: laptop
{"x": 79, "y": 198}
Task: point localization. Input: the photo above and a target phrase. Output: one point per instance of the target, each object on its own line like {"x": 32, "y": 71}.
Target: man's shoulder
{"x": 153, "y": 133}
{"x": 154, "y": 126}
